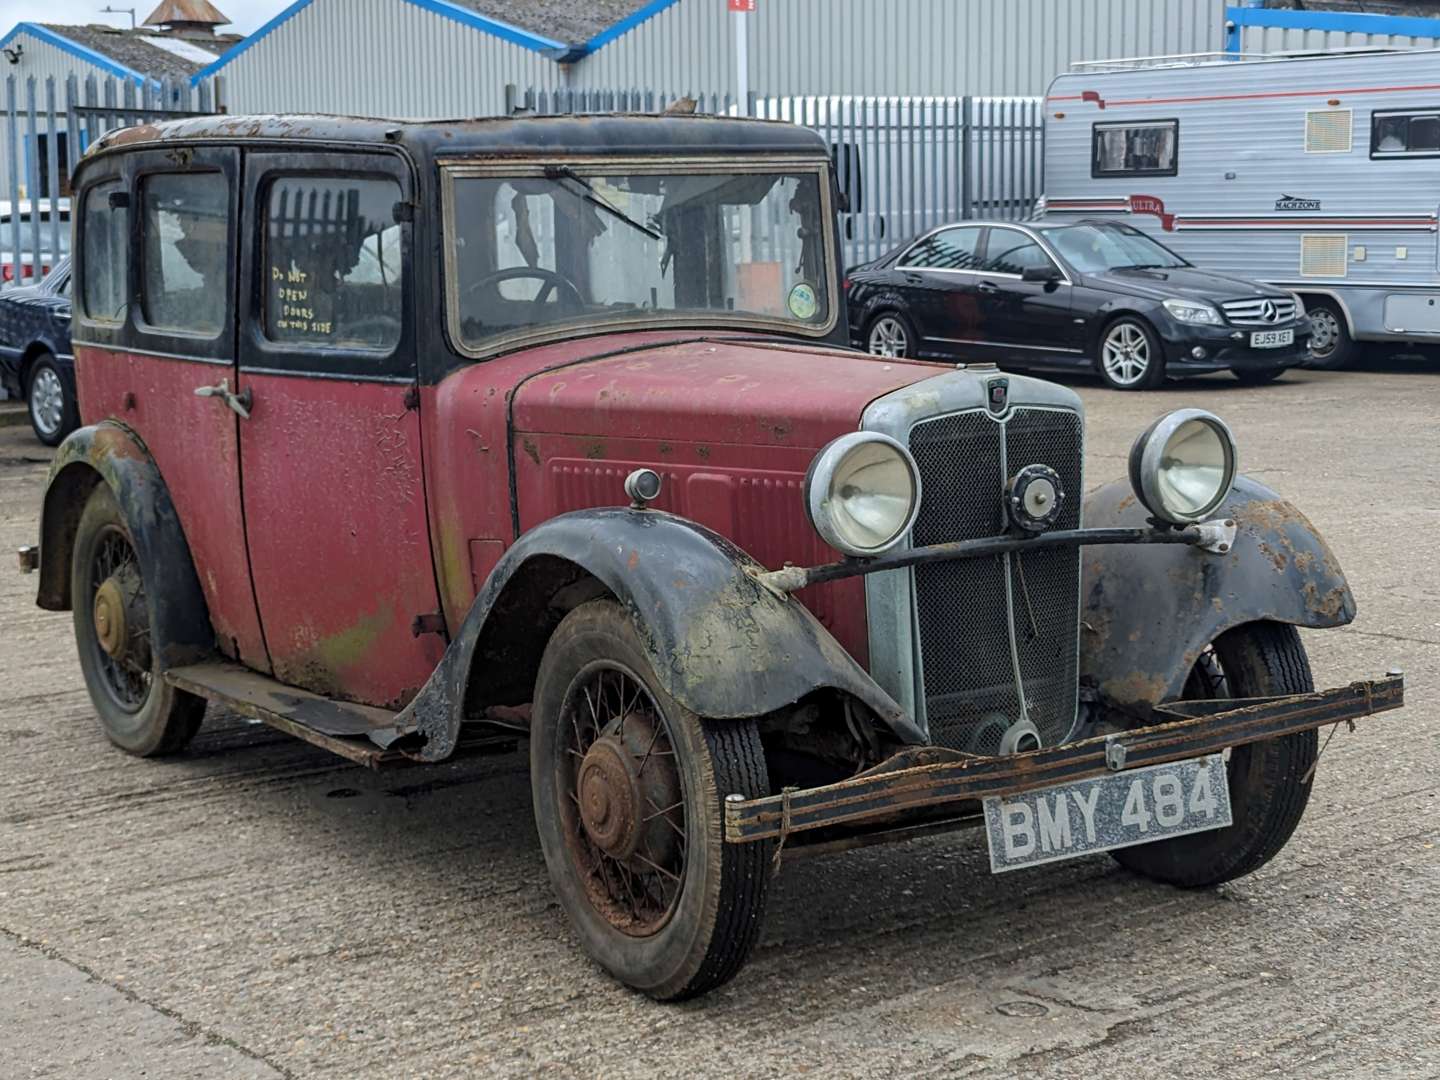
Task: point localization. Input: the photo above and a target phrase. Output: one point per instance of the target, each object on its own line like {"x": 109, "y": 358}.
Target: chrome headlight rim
{"x": 1201, "y": 312}
{"x": 1147, "y": 460}
{"x": 818, "y": 491}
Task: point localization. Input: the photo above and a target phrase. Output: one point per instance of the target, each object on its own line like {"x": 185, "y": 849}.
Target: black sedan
{"x": 1090, "y": 294}
{"x": 35, "y": 359}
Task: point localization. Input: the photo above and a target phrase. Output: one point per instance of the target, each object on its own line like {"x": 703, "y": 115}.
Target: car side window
{"x": 333, "y": 262}
{"x": 186, "y": 252}
{"x": 105, "y": 238}
{"x": 949, "y": 249}
{"x": 1012, "y": 252}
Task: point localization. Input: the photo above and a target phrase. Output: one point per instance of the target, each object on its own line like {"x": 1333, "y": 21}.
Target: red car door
{"x": 154, "y": 334}
{"x": 334, "y": 497}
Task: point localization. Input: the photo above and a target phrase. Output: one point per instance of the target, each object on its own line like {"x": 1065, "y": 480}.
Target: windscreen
{"x": 1094, "y": 248}
{"x": 588, "y": 247}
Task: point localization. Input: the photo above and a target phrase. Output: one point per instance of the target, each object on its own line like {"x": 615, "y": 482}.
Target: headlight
{"x": 1182, "y": 466}
{"x": 1299, "y": 306}
{"x": 862, "y": 493}
{"x": 1192, "y": 311}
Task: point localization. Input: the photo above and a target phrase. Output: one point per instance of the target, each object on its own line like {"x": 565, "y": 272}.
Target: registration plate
{"x": 1271, "y": 339}
{"x": 1124, "y": 808}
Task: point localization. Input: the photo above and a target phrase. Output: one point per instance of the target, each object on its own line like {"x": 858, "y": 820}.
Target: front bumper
{"x": 926, "y": 782}
{"x": 1227, "y": 348}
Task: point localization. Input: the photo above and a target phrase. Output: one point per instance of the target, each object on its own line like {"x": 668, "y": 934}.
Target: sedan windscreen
{"x": 580, "y": 247}
{"x": 1092, "y": 249}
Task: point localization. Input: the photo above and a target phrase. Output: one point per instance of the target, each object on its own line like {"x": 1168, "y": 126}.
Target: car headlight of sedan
{"x": 1193, "y": 311}
{"x": 1299, "y": 306}
{"x": 1183, "y": 465}
{"x": 862, "y": 493}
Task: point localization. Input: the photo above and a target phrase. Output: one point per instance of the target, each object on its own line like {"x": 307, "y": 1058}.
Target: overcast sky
{"x": 246, "y": 15}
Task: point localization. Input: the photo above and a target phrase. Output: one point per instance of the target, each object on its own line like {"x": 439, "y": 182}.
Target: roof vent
{"x": 1327, "y": 131}
{"x": 1323, "y": 255}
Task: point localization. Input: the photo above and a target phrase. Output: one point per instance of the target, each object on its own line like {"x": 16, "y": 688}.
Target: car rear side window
{"x": 186, "y": 252}
{"x": 1135, "y": 148}
{"x": 333, "y": 262}
{"x": 105, "y": 237}
{"x": 948, "y": 249}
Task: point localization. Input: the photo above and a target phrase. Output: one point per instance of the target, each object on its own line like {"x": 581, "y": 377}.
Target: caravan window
{"x": 1405, "y": 134}
{"x": 1136, "y": 148}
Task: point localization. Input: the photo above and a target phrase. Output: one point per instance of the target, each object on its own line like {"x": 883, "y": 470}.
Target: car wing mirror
{"x": 1044, "y": 274}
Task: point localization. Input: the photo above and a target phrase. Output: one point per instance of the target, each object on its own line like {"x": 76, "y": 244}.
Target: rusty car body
{"x": 402, "y": 436}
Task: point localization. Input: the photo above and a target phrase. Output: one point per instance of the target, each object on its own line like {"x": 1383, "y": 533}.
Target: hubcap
{"x": 1325, "y": 329}
{"x": 47, "y": 401}
{"x": 888, "y": 338}
{"x": 1126, "y": 354}
{"x": 624, "y": 801}
{"x": 110, "y": 618}
{"x": 121, "y": 621}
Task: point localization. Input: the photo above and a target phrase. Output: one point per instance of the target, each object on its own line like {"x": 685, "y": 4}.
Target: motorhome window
{"x": 1012, "y": 252}
{"x": 186, "y": 254}
{"x": 332, "y": 262}
{"x": 1147, "y": 148}
{"x": 1408, "y": 134}
{"x": 949, "y": 249}
{"x": 105, "y": 247}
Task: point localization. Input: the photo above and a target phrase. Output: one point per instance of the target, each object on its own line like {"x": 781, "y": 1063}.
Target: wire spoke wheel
{"x": 624, "y": 812}
{"x": 1126, "y": 354}
{"x": 888, "y": 337}
{"x": 118, "y": 605}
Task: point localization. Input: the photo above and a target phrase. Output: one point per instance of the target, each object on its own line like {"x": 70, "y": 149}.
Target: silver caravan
{"x": 1317, "y": 173}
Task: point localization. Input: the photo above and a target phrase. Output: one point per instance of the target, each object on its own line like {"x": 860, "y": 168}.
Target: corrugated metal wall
{"x": 42, "y": 61}
{"x": 380, "y": 58}
{"x": 935, "y": 47}
{"x": 1273, "y": 39}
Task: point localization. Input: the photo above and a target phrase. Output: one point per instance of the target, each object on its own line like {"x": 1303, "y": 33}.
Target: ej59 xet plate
{"x": 1132, "y": 807}
{"x": 1271, "y": 339}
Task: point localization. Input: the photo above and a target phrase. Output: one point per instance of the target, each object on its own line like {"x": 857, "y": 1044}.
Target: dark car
{"x": 35, "y": 359}
{"x": 1087, "y": 294}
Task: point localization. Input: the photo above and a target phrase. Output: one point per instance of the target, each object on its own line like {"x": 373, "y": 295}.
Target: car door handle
{"x": 988, "y": 287}
{"x": 239, "y": 403}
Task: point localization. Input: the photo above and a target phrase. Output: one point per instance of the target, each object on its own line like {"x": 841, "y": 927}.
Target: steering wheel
{"x": 569, "y": 300}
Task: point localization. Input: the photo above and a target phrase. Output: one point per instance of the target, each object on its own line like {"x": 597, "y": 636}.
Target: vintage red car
{"x": 399, "y": 435}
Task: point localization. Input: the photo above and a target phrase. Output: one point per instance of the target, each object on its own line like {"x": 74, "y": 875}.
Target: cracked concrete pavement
{"x": 256, "y": 907}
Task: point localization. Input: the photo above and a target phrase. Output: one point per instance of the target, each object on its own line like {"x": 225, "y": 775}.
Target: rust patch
{"x": 596, "y": 450}
{"x": 1329, "y": 604}
{"x": 1135, "y": 687}
{"x": 666, "y": 449}
{"x": 702, "y": 452}
{"x": 531, "y": 450}
{"x": 634, "y": 560}
{"x": 1278, "y": 558}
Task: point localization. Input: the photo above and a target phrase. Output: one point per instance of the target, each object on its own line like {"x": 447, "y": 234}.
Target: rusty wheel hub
{"x": 120, "y": 617}
{"x": 611, "y": 803}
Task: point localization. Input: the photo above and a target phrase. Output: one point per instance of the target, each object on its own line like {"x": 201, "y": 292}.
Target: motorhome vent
{"x": 1323, "y": 255}
{"x": 1327, "y": 131}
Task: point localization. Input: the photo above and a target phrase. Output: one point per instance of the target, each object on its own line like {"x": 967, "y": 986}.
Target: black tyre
{"x": 140, "y": 712}
{"x": 628, "y": 788}
{"x": 1129, "y": 355}
{"x": 890, "y": 334}
{"x": 53, "y": 413}
{"x": 1269, "y": 782}
{"x": 1331, "y": 346}
{"x": 1259, "y": 377}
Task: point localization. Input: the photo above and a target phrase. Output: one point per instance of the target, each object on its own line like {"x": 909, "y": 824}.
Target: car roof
{"x": 609, "y": 134}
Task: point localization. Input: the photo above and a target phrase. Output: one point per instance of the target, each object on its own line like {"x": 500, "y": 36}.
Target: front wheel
{"x": 628, "y": 787}
{"x": 140, "y": 712}
{"x": 1131, "y": 357}
{"x": 1269, "y": 780}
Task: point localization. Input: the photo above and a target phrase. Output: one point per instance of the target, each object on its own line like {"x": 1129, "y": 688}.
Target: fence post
{"x": 967, "y": 195}
{"x": 13, "y": 146}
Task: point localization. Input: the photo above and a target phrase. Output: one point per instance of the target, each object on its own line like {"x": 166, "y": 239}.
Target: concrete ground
{"x": 258, "y": 908}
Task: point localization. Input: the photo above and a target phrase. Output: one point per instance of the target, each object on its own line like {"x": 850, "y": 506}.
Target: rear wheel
{"x": 140, "y": 712}
{"x": 890, "y": 334}
{"x": 52, "y": 406}
{"x": 1131, "y": 357}
{"x": 1269, "y": 782}
{"x": 1331, "y": 347}
{"x": 628, "y": 787}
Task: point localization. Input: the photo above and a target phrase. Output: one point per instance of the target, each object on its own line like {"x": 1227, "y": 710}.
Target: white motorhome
{"x": 1318, "y": 173}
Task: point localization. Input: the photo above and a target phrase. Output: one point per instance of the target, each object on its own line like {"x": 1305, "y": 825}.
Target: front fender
{"x": 720, "y": 644}
{"x": 111, "y": 454}
{"x": 1150, "y": 610}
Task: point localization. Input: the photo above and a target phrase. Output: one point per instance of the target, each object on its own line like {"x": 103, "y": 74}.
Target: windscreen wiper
{"x": 564, "y": 172}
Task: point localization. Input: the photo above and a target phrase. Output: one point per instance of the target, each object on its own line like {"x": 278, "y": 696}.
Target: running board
{"x": 338, "y": 726}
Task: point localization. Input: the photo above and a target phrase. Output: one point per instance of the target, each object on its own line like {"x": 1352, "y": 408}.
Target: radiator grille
{"x": 968, "y": 622}
{"x": 1253, "y": 312}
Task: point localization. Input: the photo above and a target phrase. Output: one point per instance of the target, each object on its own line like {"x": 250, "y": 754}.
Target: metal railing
{"x": 48, "y": 125}
{"x": 905, "y": 164}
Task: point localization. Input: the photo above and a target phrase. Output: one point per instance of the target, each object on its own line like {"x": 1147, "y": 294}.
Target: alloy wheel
{"x": 47, "y": 401}
{"x": 1125, "y": 353}
{"x": 888, "y": 337}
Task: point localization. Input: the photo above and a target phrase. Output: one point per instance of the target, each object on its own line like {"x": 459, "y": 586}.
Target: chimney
{"x": 187, "y": 18}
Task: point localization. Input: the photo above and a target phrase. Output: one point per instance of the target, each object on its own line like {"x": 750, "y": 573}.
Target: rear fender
{"x": 719, "y": 643}
{"x": 1150, "y": 609}
{"x": 108, "y": 453}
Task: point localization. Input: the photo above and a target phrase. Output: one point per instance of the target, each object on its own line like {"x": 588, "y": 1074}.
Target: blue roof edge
{"x": 624, "y": 26}
{"x": 1355, "y": 22}
{"x": 473, "y": 19}
{"x": 90, "y": 56}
